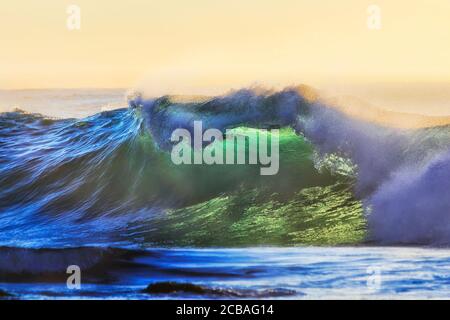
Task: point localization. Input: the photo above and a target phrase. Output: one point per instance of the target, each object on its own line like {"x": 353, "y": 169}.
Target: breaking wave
{"x": 108, "y": 179}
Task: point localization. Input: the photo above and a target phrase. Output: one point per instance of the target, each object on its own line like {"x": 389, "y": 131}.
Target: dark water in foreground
{"x": 248, "y": 273}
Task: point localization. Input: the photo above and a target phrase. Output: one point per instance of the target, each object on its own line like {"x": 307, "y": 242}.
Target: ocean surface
{"x": 246, "y": 273}
{"x": 357, "y": 209}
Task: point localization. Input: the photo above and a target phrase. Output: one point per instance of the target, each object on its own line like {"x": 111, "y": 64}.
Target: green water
{"x": 307, "y": 203}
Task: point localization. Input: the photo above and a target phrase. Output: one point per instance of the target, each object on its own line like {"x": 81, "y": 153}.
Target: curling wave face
{"x": 108, "y": 179}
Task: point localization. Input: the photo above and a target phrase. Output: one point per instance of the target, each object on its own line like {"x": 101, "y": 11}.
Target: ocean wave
{"x": 108, "y": 178}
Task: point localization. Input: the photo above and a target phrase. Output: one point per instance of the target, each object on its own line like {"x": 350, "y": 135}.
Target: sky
{"x": 206, "y": 46}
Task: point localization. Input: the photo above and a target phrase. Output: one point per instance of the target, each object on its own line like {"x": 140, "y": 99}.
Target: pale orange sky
{"x": 211, "y": 45}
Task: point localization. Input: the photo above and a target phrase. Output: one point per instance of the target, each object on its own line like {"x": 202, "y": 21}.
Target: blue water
{"x": 275, "y": 273}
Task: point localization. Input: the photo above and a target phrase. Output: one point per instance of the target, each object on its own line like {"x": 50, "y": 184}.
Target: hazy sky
{"x": 199, "y": 45}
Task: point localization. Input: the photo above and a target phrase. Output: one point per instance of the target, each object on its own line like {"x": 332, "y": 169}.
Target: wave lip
{"x": 246, "y": 107}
